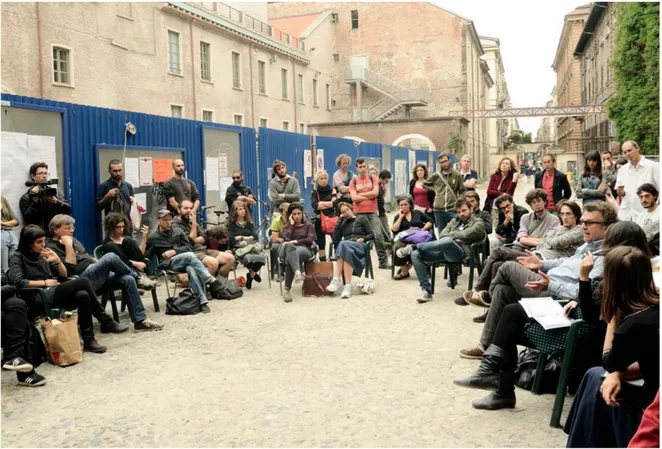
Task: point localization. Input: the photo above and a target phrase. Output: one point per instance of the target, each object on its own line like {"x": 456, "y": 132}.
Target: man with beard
{"x": 282, "y": 187}
{"x": 116, "y": 195}
{"x": 649, "y": 219}
{"x": 239, "y": 191}
{"x": 178, "y": 189}
{"x": 39, "y": 205}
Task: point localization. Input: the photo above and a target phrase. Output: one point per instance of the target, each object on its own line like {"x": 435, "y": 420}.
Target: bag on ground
{"x": 185, "y": 303}
{"x": 318, "y": 277}
{"x": 230, "y": 289}
{"x": 525, "y": 373}
{"x": 62, "y": 339}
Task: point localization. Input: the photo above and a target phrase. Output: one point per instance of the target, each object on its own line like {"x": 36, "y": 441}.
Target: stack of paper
{"x": 546, "y": 311}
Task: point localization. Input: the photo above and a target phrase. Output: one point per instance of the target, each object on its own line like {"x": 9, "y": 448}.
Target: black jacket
{"x": 560, "y": 188}
{"x": 41, "y": 213}
{"x": 159, "y": 242}
{"x": 327, "y": 193}
{"x": 510, "y": 231}
{"x": 431, "y": 193}
{"x": 352, "y": 229}
{"x": 233, "y": 192}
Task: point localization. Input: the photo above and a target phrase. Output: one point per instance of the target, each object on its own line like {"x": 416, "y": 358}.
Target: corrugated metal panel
{"x": 400, "y": 153}
{"x": 422, "y": 157}
{"x": 368, "y": 149}
{"x": 334, "y": 147}
{"x": 88, "y": 126}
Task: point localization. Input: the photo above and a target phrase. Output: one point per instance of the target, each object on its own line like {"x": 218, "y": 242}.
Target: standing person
{"x": 178, "y": 189}
{"x": 609, "y": 171}
{"x": 242, "y": 233}
{"x": 503, "y": 180}
{"x": 591, "y": 185}
{"x": 116, "y": 195}
{"x": 323, "y": 199}
{"x": 384, "y": 179}
{"x": 299, "y": 237}
{"x": 239, "y": 191}
{"x": 553, "y": 182}
{"x": 469, "y": 176}
{"x": 364, "y": 190}
{"x": 649, "y": 219}
{"x": 636, "y": 172}
{"x": 282, "y": 187}
{"x": 42, "y": 202}
{"x": 342, "y": 177}
{"x": 447, "y": 185}
{"x": 9, "y": 239}
{"x": 423, "y": 198}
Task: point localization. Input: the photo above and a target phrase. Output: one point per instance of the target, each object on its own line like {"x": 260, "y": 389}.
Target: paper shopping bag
{"x": 63, "y": 340}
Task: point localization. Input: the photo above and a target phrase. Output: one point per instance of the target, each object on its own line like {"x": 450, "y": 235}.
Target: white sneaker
{"x": 404, "y": 251}
{"x": 335, "y": 284}
{"x": 298, "y": 277}
{"x": 425, "y": 296}
{"x": 346, "y": 291}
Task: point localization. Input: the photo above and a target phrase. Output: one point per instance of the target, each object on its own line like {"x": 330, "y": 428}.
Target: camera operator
{"x": 42, "y": 201}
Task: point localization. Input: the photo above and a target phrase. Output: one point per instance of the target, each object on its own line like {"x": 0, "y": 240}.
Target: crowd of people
{"x": 577, "y": 254}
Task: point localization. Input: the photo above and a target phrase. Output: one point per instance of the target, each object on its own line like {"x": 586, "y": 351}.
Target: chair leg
{"x": 269, "y": 273}
{"x": 155, "y": 299}
{"x": 568, "y": 357}
{"x": 280, "y": 280}
{"x": 471, "y": 276}
{"x": 433, "y": 275}
{"x": 540, "y": 368}
{"x": 113, "y": 305}
{"x": 165, "y": 281}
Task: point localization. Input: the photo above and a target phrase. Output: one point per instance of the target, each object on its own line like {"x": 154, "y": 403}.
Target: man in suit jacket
{"x": 553, "y": 182}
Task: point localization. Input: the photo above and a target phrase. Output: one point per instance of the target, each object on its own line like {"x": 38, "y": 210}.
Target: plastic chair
{"x": 51, "y": 312}
{"x": 368, "y": 270}
{"x": 478, "y": 254}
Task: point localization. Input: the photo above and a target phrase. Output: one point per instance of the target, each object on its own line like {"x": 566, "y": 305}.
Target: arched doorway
{"x": 415, "y": 141}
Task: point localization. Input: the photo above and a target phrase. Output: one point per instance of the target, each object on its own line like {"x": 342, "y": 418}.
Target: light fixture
{"x": 130, "y": 128}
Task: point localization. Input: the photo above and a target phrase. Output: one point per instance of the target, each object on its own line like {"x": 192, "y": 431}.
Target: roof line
{"x": 317, "y": 22}
{"x": 471, "y": 22}
{"x": 591, "y": 22}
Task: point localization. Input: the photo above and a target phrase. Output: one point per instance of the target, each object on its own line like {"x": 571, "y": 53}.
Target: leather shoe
{"x": 94, "y": 346}
{"x": 113, "y": 327}
{"x": 495, "y": 401}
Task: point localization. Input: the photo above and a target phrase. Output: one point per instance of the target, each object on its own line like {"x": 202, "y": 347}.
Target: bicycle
{"x": 206, "y": 223}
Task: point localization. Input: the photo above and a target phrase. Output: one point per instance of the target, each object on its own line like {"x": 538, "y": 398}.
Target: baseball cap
{"x": 163, "y": 212}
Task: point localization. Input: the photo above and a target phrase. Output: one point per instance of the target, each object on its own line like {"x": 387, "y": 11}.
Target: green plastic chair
{"x": 368, "y": 270}
{"x": 478, "y": 254}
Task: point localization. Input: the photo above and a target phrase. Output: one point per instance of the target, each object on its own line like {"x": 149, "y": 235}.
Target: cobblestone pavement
{"x": 363, "y": 372}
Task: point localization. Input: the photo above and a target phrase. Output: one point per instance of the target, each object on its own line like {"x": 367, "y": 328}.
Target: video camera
{"x": 46, "y": 188}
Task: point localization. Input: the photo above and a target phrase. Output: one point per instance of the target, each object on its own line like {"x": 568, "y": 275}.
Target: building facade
{"x": 204, "y": 61}
{"x": 547, "y": 127}
{"x": 498, "y": 96}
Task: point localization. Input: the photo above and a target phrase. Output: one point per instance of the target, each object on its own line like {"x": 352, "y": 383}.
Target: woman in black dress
{"x": 407, "y": 218}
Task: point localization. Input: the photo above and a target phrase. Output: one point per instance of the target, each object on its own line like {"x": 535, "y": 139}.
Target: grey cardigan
{"x": 290, "y": 189}
{"x": 562, "y": 243}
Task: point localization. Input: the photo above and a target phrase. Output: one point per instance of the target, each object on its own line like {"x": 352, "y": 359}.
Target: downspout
{"x": 195, "y": 105}
{"x": 294, "y": 83}
{"x": 41, "y": 64}
{"x": 250, "y": 63}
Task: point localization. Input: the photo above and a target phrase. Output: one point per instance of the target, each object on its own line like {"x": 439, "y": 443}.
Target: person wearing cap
{"x": 174, "y": 249}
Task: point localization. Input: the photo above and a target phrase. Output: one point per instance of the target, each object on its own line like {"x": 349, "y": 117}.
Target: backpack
{"x": 185, "y": 303}
{"x": 230, "y": 290}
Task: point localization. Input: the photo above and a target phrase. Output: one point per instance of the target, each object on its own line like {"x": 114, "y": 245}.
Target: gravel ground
{"x": 368, "y": 371}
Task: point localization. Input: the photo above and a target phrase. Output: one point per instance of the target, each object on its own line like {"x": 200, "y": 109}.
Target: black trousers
{"x": 129, "y": 250}
{"x": 510, "y": 333}
{"x": 79, "y": 294}
{"x": 14, "y": 327}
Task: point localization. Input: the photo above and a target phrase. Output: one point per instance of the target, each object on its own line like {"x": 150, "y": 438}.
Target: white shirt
{"x": 649, "y": 222}
{"x": 631, "y": 177}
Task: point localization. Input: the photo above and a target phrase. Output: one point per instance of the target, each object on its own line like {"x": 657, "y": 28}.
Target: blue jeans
{"x": 198, "y": 275}
{"x": 110, "y": 273}
{"x": 444, "y": 249}
{"x": 9, "y": 246}
{"x": 441, "y": 219}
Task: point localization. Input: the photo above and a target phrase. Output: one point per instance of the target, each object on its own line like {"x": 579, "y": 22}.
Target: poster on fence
{"x": 320, "y": 160}
{"x": 400, "y": 167}
{"x": 412, "y": 159}
{"x": 307, "y": 163}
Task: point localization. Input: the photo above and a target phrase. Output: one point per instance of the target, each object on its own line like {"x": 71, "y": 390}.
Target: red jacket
{"x": 493, "y": 189}
{"x": 648, "y": 434}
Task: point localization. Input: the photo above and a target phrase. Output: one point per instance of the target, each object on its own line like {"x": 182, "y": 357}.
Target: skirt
{"x": 354, "y": 254}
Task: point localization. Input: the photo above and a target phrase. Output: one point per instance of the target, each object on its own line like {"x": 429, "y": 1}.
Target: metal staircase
{"x": 396, "y": 96}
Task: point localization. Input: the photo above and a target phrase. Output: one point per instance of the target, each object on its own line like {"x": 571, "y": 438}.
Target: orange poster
{"x": 162, "y": 170}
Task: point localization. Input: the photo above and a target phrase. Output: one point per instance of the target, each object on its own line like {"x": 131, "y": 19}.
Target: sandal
{"x": 400, "y": 276}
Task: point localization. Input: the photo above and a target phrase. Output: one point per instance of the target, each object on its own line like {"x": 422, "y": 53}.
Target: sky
{"x": 529, "y": 32}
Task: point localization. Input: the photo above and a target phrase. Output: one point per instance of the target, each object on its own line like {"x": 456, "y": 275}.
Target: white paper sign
{"x": 320, "y": 160}
{"x": 42, "y": 149}
{"x": 146, "y": 172}
{"x": 307, "y": 163}
{"x": 211, "y": 173}
{"x": 224, "y": 183}
{"x": 15, "y": 169}
{"x": 131, "y": 171}
{"x": 400, "y": 166}
{"x": 223, "y": 164}
{"x": 141, "y": 200}
{"x": 412, "y": 159}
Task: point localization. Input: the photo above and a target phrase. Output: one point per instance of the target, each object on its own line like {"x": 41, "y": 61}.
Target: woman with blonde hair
{"x": 503, "y": 180}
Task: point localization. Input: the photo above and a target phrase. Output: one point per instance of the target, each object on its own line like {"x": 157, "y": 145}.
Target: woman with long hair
{"x": 299, "y": 237}
{"x": 34, "y": 265}
{"x": 242, "y": 233}
{"x": 351, "y": 234}
{"x": 323, "y": 200}
{"x": 131, "y": 253}
{"x": 423, "y": 198}
{"x": 591, "y": 185}
{"x": 406, "y": 218}
{"x": 503, "y": 180}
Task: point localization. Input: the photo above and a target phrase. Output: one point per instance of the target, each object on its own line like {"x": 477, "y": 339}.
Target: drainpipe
{"x": 250, "y": 63}
{"x": 41, "y": 64}
{"x": 294, "y": 83}
{"x": 195, "y": 106}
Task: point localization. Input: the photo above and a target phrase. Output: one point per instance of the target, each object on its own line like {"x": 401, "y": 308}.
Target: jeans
{"x": 110, "y": 273}
{"x": 441, "y": 219}
{"x": 444, "y": 249}
{"x": 379, "y": 237}
{"x": 9, "y": 246}
{"x": 293, "y": 256}
{"x": 198, "y": 275}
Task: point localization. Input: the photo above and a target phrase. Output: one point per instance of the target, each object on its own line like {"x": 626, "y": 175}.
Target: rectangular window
{"x": 61, "y": 65}
{"x": 328, "y": 96}
{"x": 176, "y": 111}
{"x": 355, "y": 19}
{"x": 315, "y": 94}
{"x": 286, "y": 125}
{"x": 302, "y": 128}
{"x": 264, "y": 122}
{"x": 236, "y": 70}
{"x": 173, "y": 53}
{"x": 283, "y": 84}
{"x": 300, "y": 88}
{"x": 207, "y": 116}
{"x": 262, "y": 77}
{"x": 239, "y": 119}
{"x": 205, "y": 61}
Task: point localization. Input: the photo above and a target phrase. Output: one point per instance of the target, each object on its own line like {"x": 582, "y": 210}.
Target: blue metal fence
{"x": 334, "y": 147}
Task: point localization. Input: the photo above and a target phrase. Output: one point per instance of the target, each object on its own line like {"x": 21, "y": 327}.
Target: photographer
{"x": 42, "y": 201}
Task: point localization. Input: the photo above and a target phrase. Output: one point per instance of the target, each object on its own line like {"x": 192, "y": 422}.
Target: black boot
{"x": 89, "y": 342}
{"x": 488, "y": 375}
{"x": 504, "y": 397}
{"x": 110, "y": 326}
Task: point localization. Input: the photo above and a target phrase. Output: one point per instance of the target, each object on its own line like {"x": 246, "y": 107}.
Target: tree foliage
{"x": 518, "y": 136}
{"x": 635, "y": 106}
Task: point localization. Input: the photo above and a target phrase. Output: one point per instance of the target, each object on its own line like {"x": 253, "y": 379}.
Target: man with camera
{"x": 42, "y": 201}
{"x": 116, "y": 195}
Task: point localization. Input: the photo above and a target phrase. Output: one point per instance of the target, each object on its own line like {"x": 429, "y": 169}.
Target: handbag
{"x": 185, "y": 303}
{"x": 525, "y": 373}
{"x": 318, "y": 277}
{"x": 328, "y": 224}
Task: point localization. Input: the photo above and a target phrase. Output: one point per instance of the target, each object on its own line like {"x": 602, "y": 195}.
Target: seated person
{"x": 172, "y": 246}
{"x": 407, "y": 218}
{"x": 562, "y": 242}
{"x": 648, "y": 433}
{"x": 277, "y": 227}
{"x": 298, "y": 239}
{"x": 497, "y": 368}
{"x": 323, "y": 198}
{"x": 350, "y": 235}
{"x": 606, "y": 409}
{"x": 649, "y": 219}
{"x": 109, "y": 272}
{"x": 127, "y": 248}
{"x": 36, "y": 266}
{"x": 244, "y": 242}
{"x": 218, "y": 263}
{"x": 15, "y": 331}
{"x": 474, "y": 201}
{"x": 452, "y": 247}
{"x": 510, "y": 217}
{"x": 558, "y": 277}
{"x": 537, "y": 224}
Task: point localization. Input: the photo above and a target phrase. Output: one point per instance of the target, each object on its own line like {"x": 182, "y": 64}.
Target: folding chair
{"x": 478, "y": 253}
